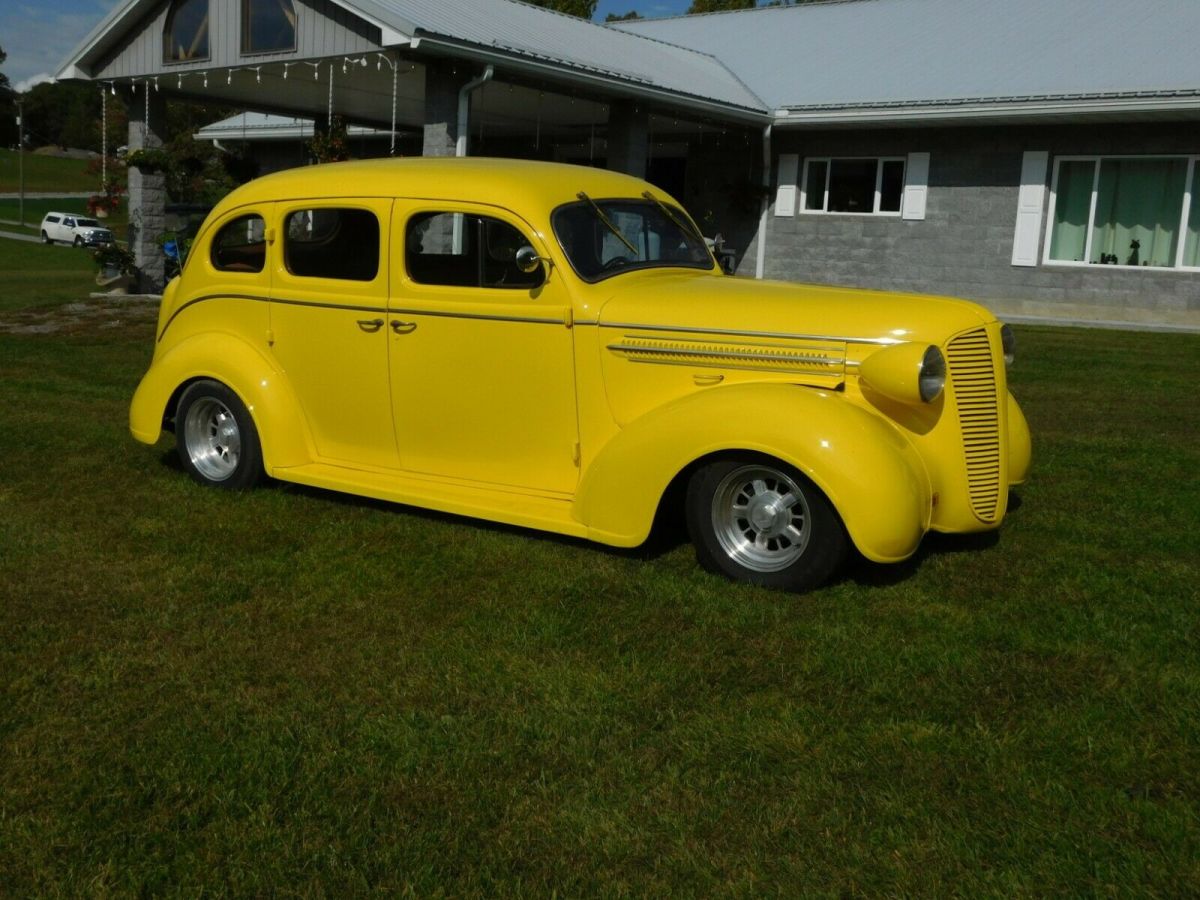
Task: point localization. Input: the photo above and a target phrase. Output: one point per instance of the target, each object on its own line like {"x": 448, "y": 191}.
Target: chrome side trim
{"x": 823, "y": 359}
{"x": 687, "y": 329}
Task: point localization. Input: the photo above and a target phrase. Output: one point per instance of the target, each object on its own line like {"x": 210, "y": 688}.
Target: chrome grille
{"x": 974, "y": 382}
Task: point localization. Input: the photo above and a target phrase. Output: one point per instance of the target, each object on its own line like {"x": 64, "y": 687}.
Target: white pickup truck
{"x": 72, "y": 229}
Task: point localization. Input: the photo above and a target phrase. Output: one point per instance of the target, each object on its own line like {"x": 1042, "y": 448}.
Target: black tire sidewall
{"x": 250, "y": 466}
{"x": 827, "y": 545}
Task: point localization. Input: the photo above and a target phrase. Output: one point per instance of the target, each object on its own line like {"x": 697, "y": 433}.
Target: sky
{"x": 38, "y": 34}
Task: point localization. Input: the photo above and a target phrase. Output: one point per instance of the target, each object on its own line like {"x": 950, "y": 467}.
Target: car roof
{"x": 518, "y": 182}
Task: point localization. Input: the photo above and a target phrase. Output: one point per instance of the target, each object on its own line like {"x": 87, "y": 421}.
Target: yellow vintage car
{"x": 555, "y": 347}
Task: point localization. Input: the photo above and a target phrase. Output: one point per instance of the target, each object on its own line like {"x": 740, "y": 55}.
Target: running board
{"x": 495, "y": 504}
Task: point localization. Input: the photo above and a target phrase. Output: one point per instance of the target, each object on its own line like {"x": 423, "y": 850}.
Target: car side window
{"x": 53, "y": 219}
{"x": 70, "y": 223}
{"x": 332, "y": 243}
{"x": 240, "y": 245}
{"x": 464, "y": 250}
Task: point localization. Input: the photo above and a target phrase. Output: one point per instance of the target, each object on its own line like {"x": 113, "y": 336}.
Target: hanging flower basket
{"x": 148, "y": 161}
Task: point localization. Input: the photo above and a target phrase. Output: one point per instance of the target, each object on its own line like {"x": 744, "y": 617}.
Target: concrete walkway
{"x": 14, "y": 236}
{"x": 46, "y": 195}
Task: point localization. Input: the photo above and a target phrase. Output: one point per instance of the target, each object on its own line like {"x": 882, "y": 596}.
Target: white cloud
{"x": 32, "y": 81}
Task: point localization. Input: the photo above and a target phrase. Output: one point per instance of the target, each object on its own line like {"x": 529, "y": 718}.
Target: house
{"x": 1038, "y": 157}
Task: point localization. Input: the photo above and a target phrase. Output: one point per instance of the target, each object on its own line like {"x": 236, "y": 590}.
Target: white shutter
{"x": 785, "y": 188}
{"x": 916, "y": 186}
{"x": 1029, "y": 207}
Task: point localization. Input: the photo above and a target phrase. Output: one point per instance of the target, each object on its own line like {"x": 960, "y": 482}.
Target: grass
{"x": 45, "y": 173}
{"x": 37, "y": 275}
{"x": 294, "y": 692}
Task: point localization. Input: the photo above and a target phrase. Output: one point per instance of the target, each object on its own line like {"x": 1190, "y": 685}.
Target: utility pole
{"x": 21, "y": 160}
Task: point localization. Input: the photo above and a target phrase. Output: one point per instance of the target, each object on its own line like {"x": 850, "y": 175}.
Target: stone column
{"x": 147, "y": 190}
{"x": 628, "y": 138}
{"x": 442, "y": 84}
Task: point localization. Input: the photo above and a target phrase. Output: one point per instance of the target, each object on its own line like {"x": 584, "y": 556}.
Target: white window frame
{"x": 1190, "y": 194}
{"x": 829, "y": 161}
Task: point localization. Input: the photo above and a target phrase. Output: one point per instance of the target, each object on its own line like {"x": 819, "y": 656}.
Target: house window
{"x": 268, "y": 25}
{"x": 1133, "y": 211}
{"x": 185, "y": 37}
{"x": 870, "y": 186}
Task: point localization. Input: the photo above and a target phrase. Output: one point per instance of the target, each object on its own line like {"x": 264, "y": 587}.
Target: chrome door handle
{"x": 370, "y": 326}
{"x": 403, "y": 327}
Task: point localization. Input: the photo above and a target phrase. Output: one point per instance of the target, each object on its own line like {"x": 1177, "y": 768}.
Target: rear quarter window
{"x": 240, "y": 245}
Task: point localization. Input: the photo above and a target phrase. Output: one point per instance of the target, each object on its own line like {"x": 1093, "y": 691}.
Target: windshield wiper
{"x": 684, "y": 226}
{"x": 608, "y": 222}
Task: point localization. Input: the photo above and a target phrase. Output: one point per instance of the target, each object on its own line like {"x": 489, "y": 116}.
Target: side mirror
{"x": 527, "y": 260}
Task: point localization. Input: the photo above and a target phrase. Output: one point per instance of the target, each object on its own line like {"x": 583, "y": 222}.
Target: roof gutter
{"x": 592, "y": 80}
{"x": 464, "y": 108}
{"x": 920, "y": 113}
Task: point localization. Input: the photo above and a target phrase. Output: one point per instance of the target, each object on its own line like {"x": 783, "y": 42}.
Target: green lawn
{"x": 295, "y": 692}
{"x": 45, "y": 173}
{"x": 37, "y": 275}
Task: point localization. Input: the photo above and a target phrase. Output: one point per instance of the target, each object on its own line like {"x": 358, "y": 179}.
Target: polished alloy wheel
{"x": 212, "y": 438}
{"x": 761, "y": 518}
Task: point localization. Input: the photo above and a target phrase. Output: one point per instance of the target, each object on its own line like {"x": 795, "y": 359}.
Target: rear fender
{"x": 873, "y": 476}
{"x": 242, "y": 368}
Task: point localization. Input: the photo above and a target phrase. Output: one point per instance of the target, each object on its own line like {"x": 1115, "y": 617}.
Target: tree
{"x": 584, "y": 9}
{"x": 8, "y": 109}
{"x": 708, "y": 6}
{"x": 613, "y": 17}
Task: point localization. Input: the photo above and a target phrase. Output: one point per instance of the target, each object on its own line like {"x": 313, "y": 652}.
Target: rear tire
{"x": 216, "y": 438}
{"x": 758, "y": 520}
{"x": 46, "y": 238}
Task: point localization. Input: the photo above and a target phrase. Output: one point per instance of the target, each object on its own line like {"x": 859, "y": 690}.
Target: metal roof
{"x": 264, "y": 126}
{"x": 524, "y": 30}
{"x": 851, "y": 54}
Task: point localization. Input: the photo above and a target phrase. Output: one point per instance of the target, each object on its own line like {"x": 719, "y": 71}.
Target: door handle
{"x": 403, "y": 327}
{"x": 370, "y": 326}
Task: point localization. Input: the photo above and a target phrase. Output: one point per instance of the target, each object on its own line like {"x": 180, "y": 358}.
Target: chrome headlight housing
{"x": 910, "y": 373}
{"x": 1008, "y": 340}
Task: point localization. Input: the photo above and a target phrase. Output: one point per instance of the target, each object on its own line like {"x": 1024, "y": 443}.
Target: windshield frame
{"x": 655, "y": 203}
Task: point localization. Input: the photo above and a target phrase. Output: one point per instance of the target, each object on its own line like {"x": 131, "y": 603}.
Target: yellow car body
{"x": 569, "y": 401}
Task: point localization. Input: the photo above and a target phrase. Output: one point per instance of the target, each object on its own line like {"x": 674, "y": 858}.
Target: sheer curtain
{"x": 1139, "y": 201}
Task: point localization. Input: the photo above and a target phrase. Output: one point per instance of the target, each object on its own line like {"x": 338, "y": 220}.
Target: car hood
{"x": 719, "y": 303}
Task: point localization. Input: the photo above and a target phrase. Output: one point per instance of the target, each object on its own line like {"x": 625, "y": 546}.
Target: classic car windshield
{"x": 605, "y": 237}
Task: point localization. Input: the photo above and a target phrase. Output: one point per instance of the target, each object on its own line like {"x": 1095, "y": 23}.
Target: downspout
{"x": 464, "y": 108}
{"x": 761, "y": 262}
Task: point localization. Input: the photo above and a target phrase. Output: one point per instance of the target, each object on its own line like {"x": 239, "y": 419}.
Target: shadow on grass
{"x": 668, "y": 533}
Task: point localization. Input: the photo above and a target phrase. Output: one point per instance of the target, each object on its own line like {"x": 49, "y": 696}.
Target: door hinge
{"x": 576, "y": 454}
{"x": 270, "y": 338}
{"x": 569, "y": 317}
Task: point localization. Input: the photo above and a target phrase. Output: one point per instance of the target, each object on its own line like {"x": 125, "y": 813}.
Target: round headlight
{"x": 932, "y": 379}
{"x": 1008, "y": 340}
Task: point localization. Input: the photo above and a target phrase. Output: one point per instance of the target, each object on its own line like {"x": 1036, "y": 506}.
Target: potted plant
{"x": 115, "y": 269}
{"x": 107, "y": 201}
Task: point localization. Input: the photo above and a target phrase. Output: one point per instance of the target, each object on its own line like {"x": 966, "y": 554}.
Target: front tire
{"x": 78, "y": 241}
{"x": 758, "y": 520}
{"x": 216, "y": 438}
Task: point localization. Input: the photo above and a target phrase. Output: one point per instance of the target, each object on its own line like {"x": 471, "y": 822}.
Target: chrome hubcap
{"x": 212, "y": 438}
{"x": 761, "y": 518}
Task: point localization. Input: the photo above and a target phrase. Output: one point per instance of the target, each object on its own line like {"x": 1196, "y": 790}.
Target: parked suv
{"x": 72, "y": 229}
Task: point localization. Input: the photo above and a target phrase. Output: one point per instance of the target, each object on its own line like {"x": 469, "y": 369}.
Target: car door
{"x": 481, "y": 353}
{"x": 66, "y": 231}
{"x": 328, "y": 305}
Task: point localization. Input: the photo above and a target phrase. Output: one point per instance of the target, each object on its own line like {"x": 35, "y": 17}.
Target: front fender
{"x": 871, "y": 474}
{"x": 247, "y": 372}
{"x": 1020, "y": 444}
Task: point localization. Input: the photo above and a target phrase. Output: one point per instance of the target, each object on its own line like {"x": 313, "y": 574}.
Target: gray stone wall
{"x": 964, "y": 245}
{"x": 147, "y": 190}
